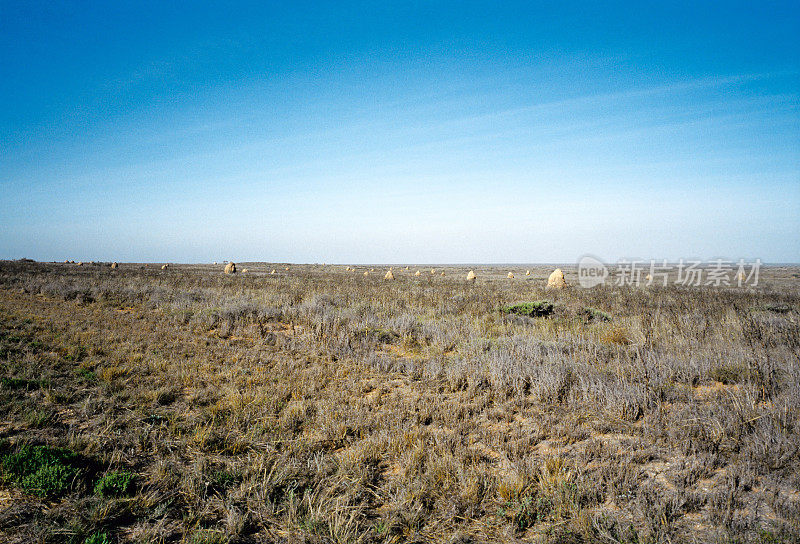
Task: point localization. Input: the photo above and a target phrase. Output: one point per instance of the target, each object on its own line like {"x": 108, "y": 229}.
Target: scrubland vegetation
{"x": 322, "y": 405}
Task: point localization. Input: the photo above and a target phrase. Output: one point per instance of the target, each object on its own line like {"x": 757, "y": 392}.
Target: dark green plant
{"x": 41, "y": 470}
{"x": 86, "y": 374}
{"x": 20, "y": 383}
{"x": 593, "y": 314}
{"x": 100, "y": 537}
{"x": 527, "y": 511}
{"x": 37, "y": 418}
{"x": 222, "y": 479}
{"x": 115, "y": 484}
{"x": 538, "y": 308}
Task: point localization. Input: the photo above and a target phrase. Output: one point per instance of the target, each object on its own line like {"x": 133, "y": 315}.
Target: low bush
{"x": 41, "y": 470}
{"x": 19, "y": 383}
{"x": 593, "y": 314}
{"x": 100, "y": 537}
{"x": 115, "y": 484}
{"x": 539, "y": 308}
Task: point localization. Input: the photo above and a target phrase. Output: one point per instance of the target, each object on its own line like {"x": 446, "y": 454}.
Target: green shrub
{"x": 37, "y": 418}
{"x": 539, "y": 308}
{"x": 86, "y": 375}
{"x": 222, "y": 479}
{"x": 100, "y": 537}
{"x": 19, "y": 383}
{"x": 593, "y": 314}
{"x": 527, "y": 511}
{"x": 115, "y": 484}
{"x": 41, "y": 470}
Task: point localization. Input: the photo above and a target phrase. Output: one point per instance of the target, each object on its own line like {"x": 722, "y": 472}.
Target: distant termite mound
{"x": 556, "y": 280}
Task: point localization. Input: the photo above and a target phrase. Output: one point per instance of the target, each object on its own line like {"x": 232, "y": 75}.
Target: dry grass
{"x": 316, "y": 406}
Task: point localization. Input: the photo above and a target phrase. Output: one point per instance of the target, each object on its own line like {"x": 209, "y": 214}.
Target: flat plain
{"x": 320, "y": 404}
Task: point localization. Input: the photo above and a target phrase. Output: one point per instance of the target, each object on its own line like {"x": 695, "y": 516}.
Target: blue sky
{"x": 421, "y": 132}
